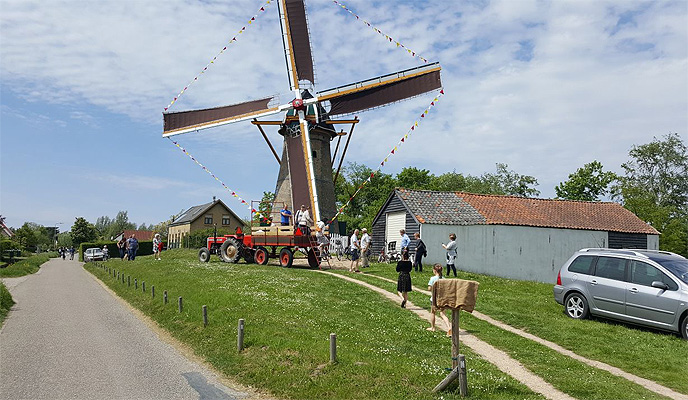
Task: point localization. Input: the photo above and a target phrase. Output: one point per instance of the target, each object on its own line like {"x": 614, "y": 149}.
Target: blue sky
{"x": 542, "y": 86}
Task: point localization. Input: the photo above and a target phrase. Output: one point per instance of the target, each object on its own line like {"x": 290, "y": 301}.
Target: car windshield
{"x": 676, "y": 267}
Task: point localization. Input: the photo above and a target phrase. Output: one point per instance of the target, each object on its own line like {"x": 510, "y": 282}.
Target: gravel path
{"x": 70, "y": 338}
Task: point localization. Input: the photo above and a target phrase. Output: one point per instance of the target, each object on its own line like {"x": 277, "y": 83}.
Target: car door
{"x": 607, "y": 287}
{"x": 647, "y": 304}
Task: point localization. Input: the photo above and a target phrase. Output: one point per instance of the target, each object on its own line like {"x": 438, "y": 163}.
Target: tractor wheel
{"x": 286, "y": 257}
{"x": 312, "y": 258}
{"x": 261, "y": 255}
{"x": 249, "y": 256}
{"x": 230, "y": 250}
{"x": 204, "y": 254}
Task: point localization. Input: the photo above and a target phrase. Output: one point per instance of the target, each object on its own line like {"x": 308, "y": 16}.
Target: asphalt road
{"x": 69, "y": 338}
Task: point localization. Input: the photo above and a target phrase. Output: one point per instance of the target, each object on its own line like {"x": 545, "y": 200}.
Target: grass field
{"x": 659, "y": 356}
{"x": 384, "y": 351}
{"x": 26, "y": 266}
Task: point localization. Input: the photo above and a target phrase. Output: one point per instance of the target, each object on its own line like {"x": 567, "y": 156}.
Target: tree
{"x": 414, "y": 178}
{"x": 508, "y": 182}
{"x": 265, "y": 207}
{"x": 26, "y": 237}
{"x": 82, "y": 231}
{"x": 588, "y": 183}
{"x": 120, "y": 224}
{"x": 655, "y": 188}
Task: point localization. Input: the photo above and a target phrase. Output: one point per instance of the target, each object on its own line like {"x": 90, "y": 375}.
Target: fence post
{"x": 136, "y": 283}
{"x": 180, "y": 304}
{"x": 333, "y": 348}
{"x": 143, "y": 285}
{"x": 205, "y": 315}
{"x": 128, "y": 280}
{"x": 153, "y": 291}
{"x": 164, "y": 297}
{"x": 240, "y": 336}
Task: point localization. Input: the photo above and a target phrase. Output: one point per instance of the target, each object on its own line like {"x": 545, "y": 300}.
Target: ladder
{"x": 316, "y": 250}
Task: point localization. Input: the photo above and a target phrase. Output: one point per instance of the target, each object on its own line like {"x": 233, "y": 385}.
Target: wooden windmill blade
{"x": 296, "y": 40}
{"x": 187, "y": 121}
{"x": 383, "y": 90}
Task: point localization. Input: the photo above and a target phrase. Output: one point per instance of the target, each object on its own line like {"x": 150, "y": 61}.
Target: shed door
{"x": 395, "y": 222}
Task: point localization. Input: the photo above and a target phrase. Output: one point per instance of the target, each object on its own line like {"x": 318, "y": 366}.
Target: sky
{"x": 543, "y": 86}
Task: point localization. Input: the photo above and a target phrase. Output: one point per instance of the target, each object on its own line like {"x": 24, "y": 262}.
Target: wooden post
{"x": 153, "y": 291}
{"x": 128, "y": 280}
{"x": 447, "y": 380}
{"x": 180, "y": 304}
{"x": 333, "y": 348}
{"x": 455, "y": 338}
{"x": 164, "y": 297}
{"x": 205, "y": 315}
{"x": 143, "y": 285}
{"x": 240, "y": 336}
{"x": 463, "y": 381}
{"x": 136, "y": 283}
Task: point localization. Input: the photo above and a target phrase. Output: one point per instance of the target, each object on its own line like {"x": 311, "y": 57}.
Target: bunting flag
{"x": 204, "y": 168}
{"x": 395, "y": 150}
{"x": 234, "y": 39}
{"x": 387, "y": 37}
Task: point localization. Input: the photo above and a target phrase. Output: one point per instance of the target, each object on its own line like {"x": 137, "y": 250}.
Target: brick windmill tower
{"x": 305, "y": 175}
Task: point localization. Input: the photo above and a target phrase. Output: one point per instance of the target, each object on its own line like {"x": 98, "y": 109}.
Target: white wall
{"x": 518, "y": 252}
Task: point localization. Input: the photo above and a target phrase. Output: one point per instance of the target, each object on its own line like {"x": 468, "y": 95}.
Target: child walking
{"x": 437, "y": 271}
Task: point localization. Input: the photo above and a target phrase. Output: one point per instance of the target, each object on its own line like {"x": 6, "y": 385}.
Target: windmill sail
{"x": 187, "y": 121}
{"x": 383, "y": 90}
{"x": 297, "y": 45}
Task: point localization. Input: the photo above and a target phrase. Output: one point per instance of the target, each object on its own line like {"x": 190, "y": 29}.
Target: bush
{"x": 6, "y": 302}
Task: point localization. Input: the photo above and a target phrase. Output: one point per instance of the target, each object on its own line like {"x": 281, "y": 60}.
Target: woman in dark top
{"x": 420, "y": 252}
{"x": 404, "y": 283}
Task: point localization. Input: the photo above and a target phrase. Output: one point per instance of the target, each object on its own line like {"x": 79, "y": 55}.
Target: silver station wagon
{"x": 643, "y": 287}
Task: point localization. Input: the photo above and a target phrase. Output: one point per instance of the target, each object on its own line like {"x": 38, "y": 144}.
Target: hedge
{"x": 6, "y": 302}
{"x": 145, "y": 248}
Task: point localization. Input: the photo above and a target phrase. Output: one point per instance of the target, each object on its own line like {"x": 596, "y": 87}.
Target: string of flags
{"x": 234, "y": 39}
{"x": 234, "y": 194}
{"x": 392, "y": 152}
{"x": 389, "y": 38}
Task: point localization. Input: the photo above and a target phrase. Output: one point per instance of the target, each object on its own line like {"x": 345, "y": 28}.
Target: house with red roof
{"x": 508, "y": 236}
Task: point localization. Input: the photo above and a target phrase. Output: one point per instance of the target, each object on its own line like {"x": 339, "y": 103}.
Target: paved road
{"x": 69, "y": 338}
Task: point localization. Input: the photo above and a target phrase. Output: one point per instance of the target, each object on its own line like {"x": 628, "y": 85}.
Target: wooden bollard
{"x": 180, "y": 304}
{"x": 143, "y": 285}
{"x": 153, "y": 291}
{"x": 164, "y": 297}
{"x": 333, "y": 348}
{"x": 240, "y": 336}
{"x": 205, "y": 315}
{"x": 136, "y": 283}
{"x": 463, "y": 381}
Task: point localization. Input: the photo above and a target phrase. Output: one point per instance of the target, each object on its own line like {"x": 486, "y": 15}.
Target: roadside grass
{"x": 6, "y": 302}
{"x": 25, "y": 267}
{"x": 384, "y": 352}
{"x": 655, "y": 355}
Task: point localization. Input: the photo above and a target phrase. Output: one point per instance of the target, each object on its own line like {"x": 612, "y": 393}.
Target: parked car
{"x": 93, "y": 254}
{"x": 643, "y": 287}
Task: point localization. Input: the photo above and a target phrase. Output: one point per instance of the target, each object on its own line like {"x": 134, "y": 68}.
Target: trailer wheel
{"x": 261, "y": 256}
{"x": 230, "y": 250}
{"x": 204, "y": 254}
{"x": 312, "y": 258}
{"x": 286, "y": 257}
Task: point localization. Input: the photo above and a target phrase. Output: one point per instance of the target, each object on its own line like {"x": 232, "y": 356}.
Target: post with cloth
{"x": 457, "y": 295}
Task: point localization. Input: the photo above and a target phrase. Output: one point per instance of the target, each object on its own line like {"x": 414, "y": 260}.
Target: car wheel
{"x": 684, "y": 327}
{"x": 204, "y": 255}
{"x": 576, "y": 306}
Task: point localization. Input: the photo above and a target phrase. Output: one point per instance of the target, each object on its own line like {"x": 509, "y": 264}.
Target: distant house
{"x": 4, "y": 230}
{"x": 512, "y": 237}
{"x": 203, "y": 216}
{"x": 140, "y": 235}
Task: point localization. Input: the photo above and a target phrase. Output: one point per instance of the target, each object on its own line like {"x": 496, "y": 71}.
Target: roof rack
{"x": 633, "y": 252}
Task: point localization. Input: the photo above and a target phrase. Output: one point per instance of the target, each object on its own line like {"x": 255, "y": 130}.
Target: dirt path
{"x": 490, "y": 353}
{"x": 646, "y": 383}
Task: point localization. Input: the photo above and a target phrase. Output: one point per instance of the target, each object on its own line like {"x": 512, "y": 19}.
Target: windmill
{"x": 305, "y": 175}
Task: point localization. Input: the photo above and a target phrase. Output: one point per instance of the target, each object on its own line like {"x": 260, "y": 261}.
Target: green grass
{"x": 654, "y": 355}
{"x": 6, "y": 302}
{"x": 384, "y": 351}
{"x": 25, "y": 267}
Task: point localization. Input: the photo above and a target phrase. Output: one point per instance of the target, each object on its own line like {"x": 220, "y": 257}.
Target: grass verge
{"x": 6, "y": 302}
{"x": 26, "y": 267}
{"x": 654, "y": 355}
{"x": 384, "y": 352}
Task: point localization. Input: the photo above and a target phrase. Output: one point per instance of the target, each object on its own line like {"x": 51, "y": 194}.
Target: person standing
{"x": 285, "y": 215}
{"x": 303, "y": 219}
{"x": 355, "y": 248}
{"x": 157, "y": 246}
{"x": 405, "y": 241}
{"x": 132, "y": 247}
{"x": 365, "y": 249}
{"x": 121, "y": 247}
{"x": 437, "y": 275}
{"x": 71, "y": 252}
{"x": 451, "y": 253}
{"x": 420, "y": 252}
{"x": 404, "y": 280}
{"x": 321, "y": 237}
{"x": 106, "y": 253}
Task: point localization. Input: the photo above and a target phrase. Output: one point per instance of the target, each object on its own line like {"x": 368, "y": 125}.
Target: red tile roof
{"x": 511, "y": 210}
{"x": 140, "y": 235}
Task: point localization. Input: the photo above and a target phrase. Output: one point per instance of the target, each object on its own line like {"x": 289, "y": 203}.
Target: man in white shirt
{"x": 303, "y": 220}
{"x": 365, "y": 244}
{"x": 355, "y": 247}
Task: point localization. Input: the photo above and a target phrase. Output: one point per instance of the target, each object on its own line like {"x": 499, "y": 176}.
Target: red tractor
{"x": 261, "y": 244}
